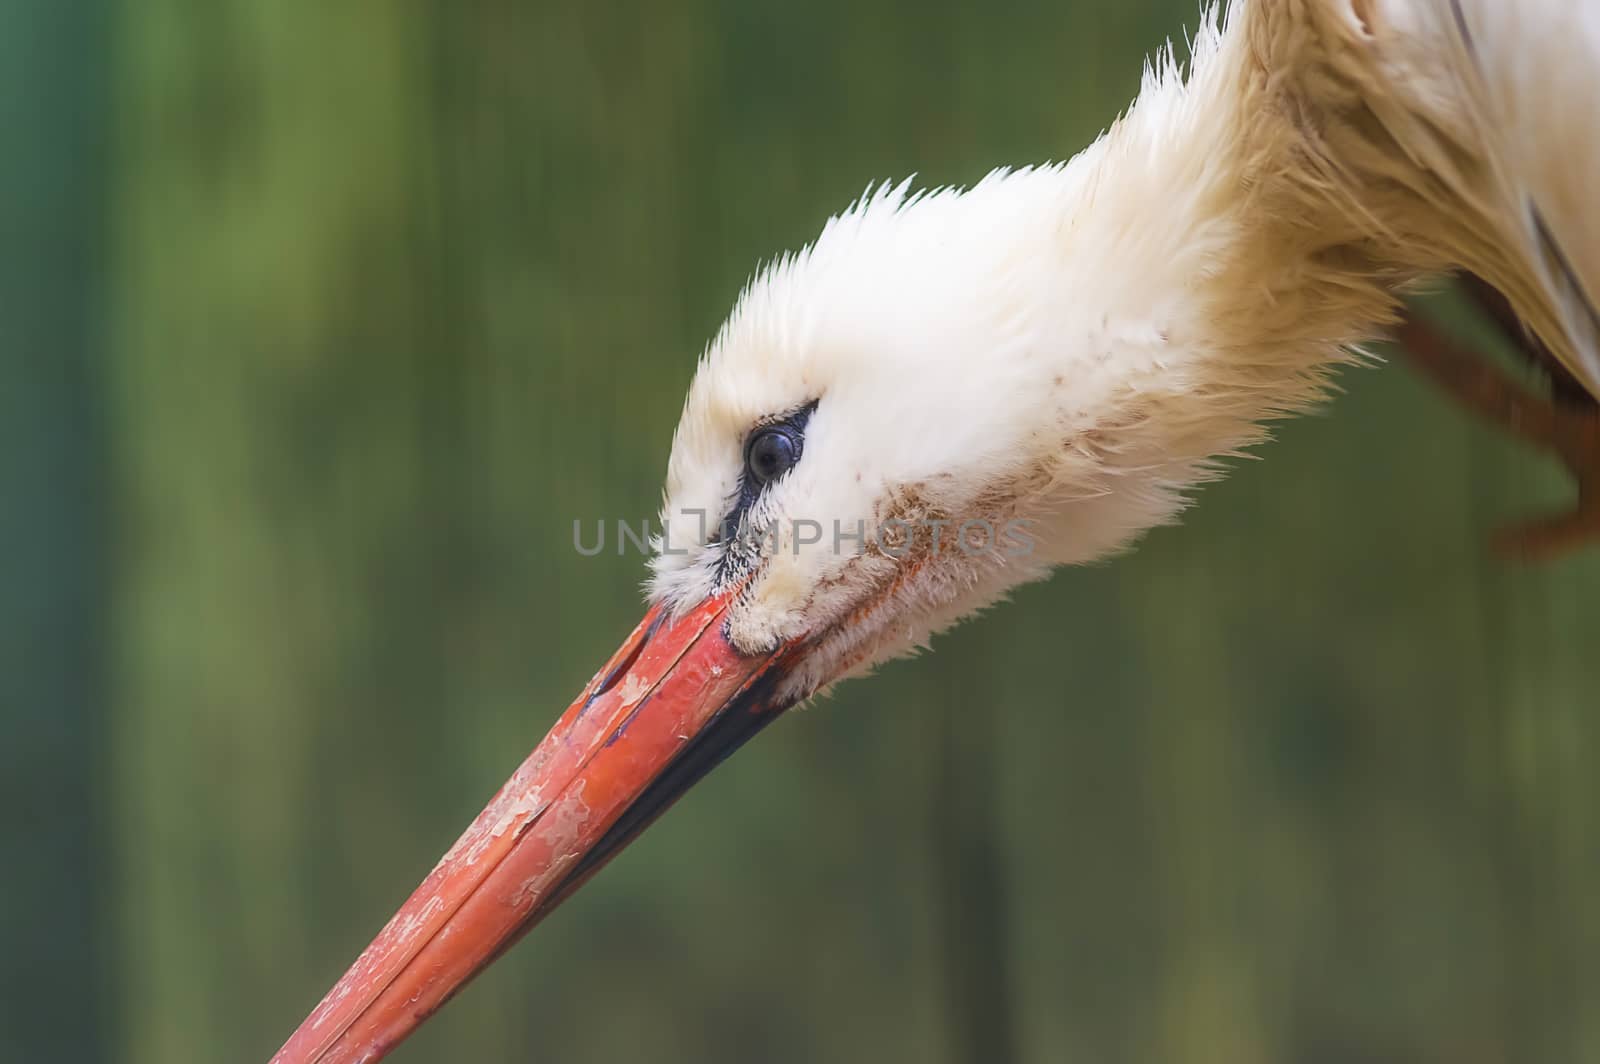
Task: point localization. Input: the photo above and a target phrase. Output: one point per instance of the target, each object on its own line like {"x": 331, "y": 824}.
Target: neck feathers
{"x": 1233, "y": 268}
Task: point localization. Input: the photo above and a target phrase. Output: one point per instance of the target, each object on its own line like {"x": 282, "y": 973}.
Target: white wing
{"x": 1515, "y": 85}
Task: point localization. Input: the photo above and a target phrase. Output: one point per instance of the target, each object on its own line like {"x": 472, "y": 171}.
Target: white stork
{"x": 1054, "y": 357}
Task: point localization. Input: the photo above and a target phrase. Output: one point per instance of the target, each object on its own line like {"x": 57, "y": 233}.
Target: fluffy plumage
{"x": 1076, "y": 345}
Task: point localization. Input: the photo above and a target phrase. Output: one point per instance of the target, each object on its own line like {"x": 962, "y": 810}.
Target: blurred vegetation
{"x": 329, "y": 321}
{"x": 56, "y": 947}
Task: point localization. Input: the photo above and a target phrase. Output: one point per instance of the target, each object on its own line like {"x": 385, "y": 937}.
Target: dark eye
{"x": 771, "y": 453}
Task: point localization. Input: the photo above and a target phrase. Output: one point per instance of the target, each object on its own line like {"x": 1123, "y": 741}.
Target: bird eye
{"x": 771, "y": 453}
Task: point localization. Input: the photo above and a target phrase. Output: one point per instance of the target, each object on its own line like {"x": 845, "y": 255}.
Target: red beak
{"x": 667, "y": 708}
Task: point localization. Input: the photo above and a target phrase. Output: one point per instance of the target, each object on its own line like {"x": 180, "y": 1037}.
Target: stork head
{"x": 904, "y": 420}
{"x": 940, "y": 398}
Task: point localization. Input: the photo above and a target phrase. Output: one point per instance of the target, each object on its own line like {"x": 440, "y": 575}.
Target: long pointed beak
{"x": 668, "y": 707}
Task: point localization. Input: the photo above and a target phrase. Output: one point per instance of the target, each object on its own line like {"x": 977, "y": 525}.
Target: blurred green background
{"x": 325, "y": 321}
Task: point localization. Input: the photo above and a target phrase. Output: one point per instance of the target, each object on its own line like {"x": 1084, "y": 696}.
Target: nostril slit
{"x": 621, "y": 668}
{"x": 611, "y": 678}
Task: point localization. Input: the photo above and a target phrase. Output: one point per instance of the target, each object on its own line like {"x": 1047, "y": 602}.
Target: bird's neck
{"x": 1232, "y": 272}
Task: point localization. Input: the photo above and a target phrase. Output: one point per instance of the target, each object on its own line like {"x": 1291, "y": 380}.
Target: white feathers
{"x": 1490, "y": 112}
{"x": 1073, "y": 346}
{"x": 1529, "y": 77}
